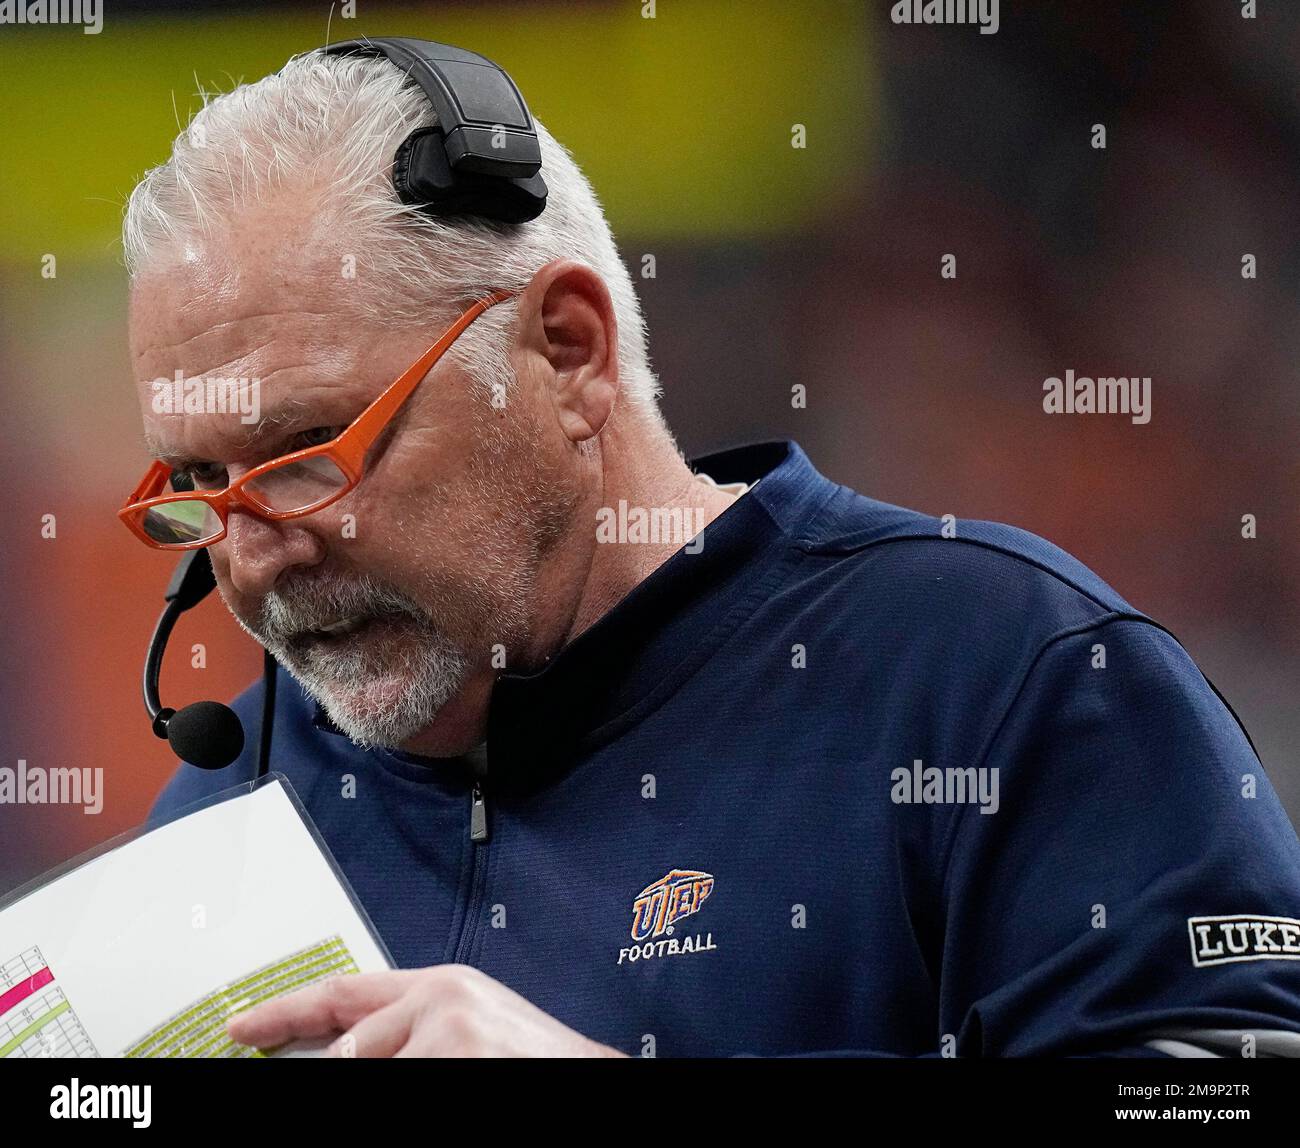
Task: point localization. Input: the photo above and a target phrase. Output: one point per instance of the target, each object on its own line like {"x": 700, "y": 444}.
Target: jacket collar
{"x": 623, "y": 667}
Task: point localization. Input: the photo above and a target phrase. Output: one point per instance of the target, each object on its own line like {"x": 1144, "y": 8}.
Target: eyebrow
{"x": 268, "y": 427}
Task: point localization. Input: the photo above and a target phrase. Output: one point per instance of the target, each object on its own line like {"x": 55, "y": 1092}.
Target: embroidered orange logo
{"x": 678, "y": 893}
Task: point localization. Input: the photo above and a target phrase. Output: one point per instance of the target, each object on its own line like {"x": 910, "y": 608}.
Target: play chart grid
{"x": 36, "y": 1019}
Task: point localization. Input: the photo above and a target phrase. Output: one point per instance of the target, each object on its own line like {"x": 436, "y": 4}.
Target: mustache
{"x": 297, "y": 607}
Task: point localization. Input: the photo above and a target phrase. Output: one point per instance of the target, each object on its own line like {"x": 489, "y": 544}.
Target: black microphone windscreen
{"x": 206, "y": 734}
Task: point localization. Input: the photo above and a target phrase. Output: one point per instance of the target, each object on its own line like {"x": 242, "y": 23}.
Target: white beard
{"x": 380, "y": 690}
{"x": 384, "y": 701}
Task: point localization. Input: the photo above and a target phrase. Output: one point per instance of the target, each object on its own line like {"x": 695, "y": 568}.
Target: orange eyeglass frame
{"x": 347, "y": 451}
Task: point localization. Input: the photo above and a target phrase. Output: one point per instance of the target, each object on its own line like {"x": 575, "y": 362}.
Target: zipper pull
{"x": 478, "y": 827}
{"x": 478, "y": 830}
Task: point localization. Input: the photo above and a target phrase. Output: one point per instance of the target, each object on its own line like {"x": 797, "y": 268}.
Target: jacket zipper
{"x": 478, "y": 830}
{"x": 478, "y": 835}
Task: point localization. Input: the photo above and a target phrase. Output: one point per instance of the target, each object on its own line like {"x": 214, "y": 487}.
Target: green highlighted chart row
{"x": 199, "y": 1030}
{"x": 36, "y": 1019}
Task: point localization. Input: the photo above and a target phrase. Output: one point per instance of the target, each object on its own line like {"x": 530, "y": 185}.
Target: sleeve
{"x": 1137, "y": 890}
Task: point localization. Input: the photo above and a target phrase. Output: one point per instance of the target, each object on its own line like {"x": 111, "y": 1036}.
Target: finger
{"x": 329, "y": 1006}
{"x": 380, "y": 1034}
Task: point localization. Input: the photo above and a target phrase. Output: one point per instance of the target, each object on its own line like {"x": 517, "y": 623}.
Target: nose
{"x": 257, "y": 551}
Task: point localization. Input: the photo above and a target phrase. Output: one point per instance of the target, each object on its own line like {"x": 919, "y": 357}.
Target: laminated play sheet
{"x": 145, "y": 947}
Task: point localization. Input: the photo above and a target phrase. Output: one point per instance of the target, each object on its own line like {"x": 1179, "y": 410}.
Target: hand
{"x": 446, "y": 1010}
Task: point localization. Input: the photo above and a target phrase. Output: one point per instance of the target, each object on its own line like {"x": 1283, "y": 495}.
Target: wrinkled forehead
{"x": 179, "y": 321}
{"x": 222, "y": 354}
{"x": 193, "y": 294}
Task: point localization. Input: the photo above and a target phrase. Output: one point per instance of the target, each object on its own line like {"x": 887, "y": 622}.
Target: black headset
{"x": 481, "y": 160}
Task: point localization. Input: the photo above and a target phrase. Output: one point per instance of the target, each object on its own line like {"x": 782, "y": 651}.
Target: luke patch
{"x": 1243, "y": 937}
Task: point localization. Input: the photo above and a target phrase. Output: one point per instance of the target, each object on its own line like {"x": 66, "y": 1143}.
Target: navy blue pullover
{"x": 837, "y": 784}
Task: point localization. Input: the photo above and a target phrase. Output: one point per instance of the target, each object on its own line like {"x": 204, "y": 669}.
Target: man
{"x": 629, "y": 756}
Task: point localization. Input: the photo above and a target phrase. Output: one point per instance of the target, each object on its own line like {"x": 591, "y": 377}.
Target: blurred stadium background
{"x": 775, "y": 266}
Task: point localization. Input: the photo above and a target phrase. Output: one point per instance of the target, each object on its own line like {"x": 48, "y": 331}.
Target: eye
{"x": 200, "y": 476}
{"x": 317, "y": 436}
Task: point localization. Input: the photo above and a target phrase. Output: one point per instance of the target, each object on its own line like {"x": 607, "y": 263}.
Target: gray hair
{"x": 325, "y": 128}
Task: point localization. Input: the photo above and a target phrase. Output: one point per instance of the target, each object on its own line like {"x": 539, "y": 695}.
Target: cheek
{"x": 408, "y": 478}
{"x": 385, "y": 509}
{"x": 429, "y": 495}
{"x": 404, "y": 536}
{"x": 426, "y": 515}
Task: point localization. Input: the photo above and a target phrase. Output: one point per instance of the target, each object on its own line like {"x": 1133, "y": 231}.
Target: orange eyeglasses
{"x": 290, "y": 486}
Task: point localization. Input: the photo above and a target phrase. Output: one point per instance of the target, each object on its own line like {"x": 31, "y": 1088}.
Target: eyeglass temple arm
{"x": 373, "y": 420}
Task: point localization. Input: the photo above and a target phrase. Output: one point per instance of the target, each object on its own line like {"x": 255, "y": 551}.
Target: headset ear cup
{"x": 421, "y": 173}
{"x": 423, "y": 178}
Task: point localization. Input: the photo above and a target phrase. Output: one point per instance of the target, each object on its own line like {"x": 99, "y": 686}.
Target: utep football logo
{"x": 677, "y": 894}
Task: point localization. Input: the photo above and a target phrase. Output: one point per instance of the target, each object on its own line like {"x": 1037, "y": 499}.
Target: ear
{"x": 569, "y": 333}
